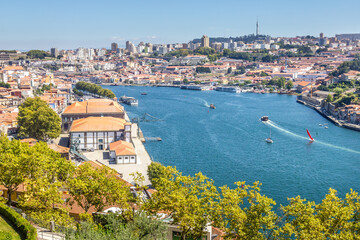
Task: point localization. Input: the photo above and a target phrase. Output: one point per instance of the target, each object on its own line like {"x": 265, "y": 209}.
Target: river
{"x": 228, "y": 144}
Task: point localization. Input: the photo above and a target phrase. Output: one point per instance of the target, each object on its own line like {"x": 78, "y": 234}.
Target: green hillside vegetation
{"x": 7, "y": 231}
{"x": 192, "y": 201}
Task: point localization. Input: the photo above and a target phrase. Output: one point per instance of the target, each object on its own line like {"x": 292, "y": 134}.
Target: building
{"x": 98, "y": 132}
{"x": 351, "y": 36}
{"x": 122, "y": 152}
{"x": 54, "y": 52}
{"x": 205, "y": 42}
{"x": 91, "y": 108}
{"x": 114, "y": 47}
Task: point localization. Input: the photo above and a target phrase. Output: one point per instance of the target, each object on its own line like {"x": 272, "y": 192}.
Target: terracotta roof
{"x": 58, "y": 148}
{"x": 94, "y": 106}
{"x": 122, "y": 148}
{"x": 98, "y": 124}
{"x": 17, "y": 68}
{"x": 303, "y": 83}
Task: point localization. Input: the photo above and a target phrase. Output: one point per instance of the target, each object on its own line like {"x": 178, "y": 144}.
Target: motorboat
{"x": 212, "y": 106}
{"x": 264, "y": 118}
{"x": 143, "y": 93}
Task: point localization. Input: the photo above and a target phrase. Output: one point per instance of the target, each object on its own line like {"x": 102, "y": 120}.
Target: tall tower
{"x": 205, "y": 41}
{"x": 257, "y": 26}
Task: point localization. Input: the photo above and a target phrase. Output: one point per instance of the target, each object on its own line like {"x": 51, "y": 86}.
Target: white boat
{"x": 129, "y": 101}
{"x": 269, "y": 140}
{"x": 326, "y": 127}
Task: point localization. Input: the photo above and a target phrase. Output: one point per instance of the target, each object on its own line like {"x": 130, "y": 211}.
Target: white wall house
{"x": 98, "y": 132}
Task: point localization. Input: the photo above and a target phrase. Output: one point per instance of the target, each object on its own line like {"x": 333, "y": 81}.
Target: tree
{"x": 156, "y": 171}
{"x": 37, "y": 54}
{"x": 37, "y": 120}
{"x": 189, "y": 200}
{"x": 281, "y": 82}
{"x": 329, "y": 98}
{"x": 243, "y": 213}
{"x": 46, "y": 179}
{"x": 113, "y": 227}
{"x": 289, "y": 85}
{"x": 333, "y": 218}
{"x": 98, "y": 186}
{"x": 186, "y": 81}
{"x": 15, "y": 161}
{"x": 229, "y": 70}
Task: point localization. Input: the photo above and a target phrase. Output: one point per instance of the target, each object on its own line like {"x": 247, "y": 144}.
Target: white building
{"x": 98, "y": 132}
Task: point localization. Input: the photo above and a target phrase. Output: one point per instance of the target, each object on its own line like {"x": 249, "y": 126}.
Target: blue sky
{"x": 68, "y": 24}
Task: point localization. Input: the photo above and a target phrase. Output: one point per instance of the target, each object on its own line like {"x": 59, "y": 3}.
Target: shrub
{"x": 21, "y": 224}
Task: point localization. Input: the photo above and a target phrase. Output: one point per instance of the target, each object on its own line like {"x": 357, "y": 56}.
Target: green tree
{"x": 37, "y": 120}
{"x": 37, "y": 54}
{"x": 333, "y": 218}
{"x": 186, "y": 81}
{"x": 156, "y": 171}
{"x": 281, "y": 82}
{"x": 289, "y": 85}
{"x": 329, "y": 98}
{"x": 243, "y": 213}
{"x": 229, "y": 71}
{"x": 98, "y": 186}
{"x": 15, "y": 160}
{"x": 189, "y": 200}
{"x": 46, "y": 179}
{"x": 113, "y": 227}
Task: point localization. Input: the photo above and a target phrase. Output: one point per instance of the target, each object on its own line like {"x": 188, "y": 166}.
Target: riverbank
{"x": 322, "y": 112}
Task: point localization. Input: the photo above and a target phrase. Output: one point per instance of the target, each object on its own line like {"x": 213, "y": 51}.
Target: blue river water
{"x": 228, "y": 144}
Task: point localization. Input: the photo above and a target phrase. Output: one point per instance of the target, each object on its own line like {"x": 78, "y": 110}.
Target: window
{"x": 101, "y": 140}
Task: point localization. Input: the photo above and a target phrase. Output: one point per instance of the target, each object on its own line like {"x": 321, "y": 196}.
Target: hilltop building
{"x": 205, "y": 42}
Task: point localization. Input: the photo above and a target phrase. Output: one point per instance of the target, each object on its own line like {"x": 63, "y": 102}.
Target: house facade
{"x": 96, "y": 133}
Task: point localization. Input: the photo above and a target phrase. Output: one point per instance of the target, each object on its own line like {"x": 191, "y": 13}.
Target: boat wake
{"x": 204, "y": 103}
{"x": 274, "y": 125}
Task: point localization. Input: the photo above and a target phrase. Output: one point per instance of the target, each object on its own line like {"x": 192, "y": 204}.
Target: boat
{"x": 269, "y": 140}
{"x": 228, "y": 89}
{"x": 212, "y": 106}
{"x": 129, "y": 101}
{"x": 311, "y": 138}
{"x": 326, "y": 127}
{"x": 143, "y": 93}
{"x": 320, "y": 124}
{"x": 264, "y": 118}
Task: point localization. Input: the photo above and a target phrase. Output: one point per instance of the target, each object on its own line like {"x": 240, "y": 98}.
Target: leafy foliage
{"x": 95, "y": 89}
{"x": 37, "y": 54}
{"x": 189, "y": 200}
{"x": 114, "y": 227}
{"x": 98, "y": 187}
{"x": 23, "y": 226}
{"x": 37, "y": 120}
{"x": 203, "y": 70}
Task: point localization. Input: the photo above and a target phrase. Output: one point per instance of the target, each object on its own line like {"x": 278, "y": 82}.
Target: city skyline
{"x": 42, "y": 24}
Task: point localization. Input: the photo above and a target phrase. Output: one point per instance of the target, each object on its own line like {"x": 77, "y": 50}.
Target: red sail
{"x": 309, "y": 135}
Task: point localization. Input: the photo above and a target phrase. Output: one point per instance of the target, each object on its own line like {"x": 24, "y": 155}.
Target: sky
{"x": 69, "y": 24}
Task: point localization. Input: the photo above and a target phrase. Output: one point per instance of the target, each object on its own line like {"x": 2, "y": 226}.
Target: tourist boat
{"x": 264, "y": 118}
{"x": 269, "y": 140}
{"x": 228, "y": 89}
{"x": 129, "y": 101}
{"x": 311, "y": 138}
{"x": 212, "y": 106}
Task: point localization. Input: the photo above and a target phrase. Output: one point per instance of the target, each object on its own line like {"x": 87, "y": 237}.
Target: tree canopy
{"x": 95, "y": 89}
{"x": 37, "y": 54}
{"x": 37, "y": 120}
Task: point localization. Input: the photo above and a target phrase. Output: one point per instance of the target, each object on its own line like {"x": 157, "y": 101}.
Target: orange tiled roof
{"x": 122, "y": 148}
{"x": 94, "y": 106}
{"x": 58, "y": 148}
{"x": 98, "y": 124}
{"x": 16, "y": 68}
